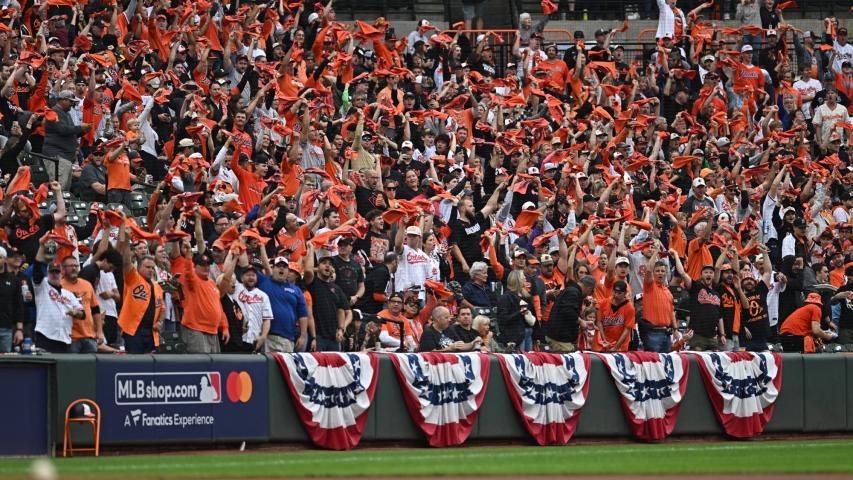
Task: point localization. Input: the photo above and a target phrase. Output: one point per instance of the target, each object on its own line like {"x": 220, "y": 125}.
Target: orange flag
{"x": 22, "y": 181}
{"x": 548, "y": 7}
{"x": 128, "y": 92}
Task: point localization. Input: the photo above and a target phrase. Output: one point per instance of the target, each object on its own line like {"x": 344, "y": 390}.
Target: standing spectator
{"x": 826, "y": 117}
{"x": 142, "y": 310}
{"x": 414, "y": 267}
{"x": 515, "y": 312}
{"x": 348, "y": 273}
{"x": 56, "y": 307}
{"x": 62, "y": 137}
{"x": 372, "y": 248}
{"x": 330, "y": 305}
{"x": 256, "y": 308}
{"x": 466, "y": 226}
{"x": 706, "y": 319}
{"x": 755, "y": 317}
{"x": 615, "y": 321}
{"x": 379, "y": 285}
{"x": 24, "y": 224}
{"x": 289, "y": 322}
{"x": 476, "y": 291}
{"x": 748, "y": 13}
{"x": 658, "y": 313}
{"x": 11, "y": 307}
{"x": 87, "y": 333}
{"x": 118, "y": 175}
{"x": 203, "y": 314}
{"x": 562, "y": 328}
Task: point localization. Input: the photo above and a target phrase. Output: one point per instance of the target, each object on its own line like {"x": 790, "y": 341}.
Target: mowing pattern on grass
{"x": 770, "y": 457}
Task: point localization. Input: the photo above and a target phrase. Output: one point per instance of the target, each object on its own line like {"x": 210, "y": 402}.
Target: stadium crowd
{"x": 328, "y": 186}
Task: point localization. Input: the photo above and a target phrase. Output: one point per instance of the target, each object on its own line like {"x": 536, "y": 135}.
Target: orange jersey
{"x": 556, "y": 71}
{"x": 138, "y": 292}
{"x": 295, "y": 243}
{"x": 82, "y": 289}
{"x": 251, "y": 186}
{"x": 615, "y": 322}
{"x": 94, "y": 109}
{"x": 392, "y": 328}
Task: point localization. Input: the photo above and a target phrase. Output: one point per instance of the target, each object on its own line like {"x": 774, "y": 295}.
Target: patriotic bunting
{"x": 548, "y": 392}
{"x": 443, "y": 392}
{"x": 651, "y": 386}
{"x": 332, "y": 393}
{"x": 743, "y": 388}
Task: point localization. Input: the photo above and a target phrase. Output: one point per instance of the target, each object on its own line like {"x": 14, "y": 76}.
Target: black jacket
{"x": 563, "y": 325}
{"x": 62, "y": 136}
{"x": 511, "y": 321}
{"x": 11, "y": 300}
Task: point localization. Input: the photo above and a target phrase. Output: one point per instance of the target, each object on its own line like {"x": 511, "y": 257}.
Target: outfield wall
{"x": 254, "y": 403}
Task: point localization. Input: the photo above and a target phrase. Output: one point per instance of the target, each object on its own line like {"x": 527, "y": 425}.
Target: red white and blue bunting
{"x": 743, "y": 388}
{"x": 548, "y": 391}
{"x": 332, "y": 393}
{"x": 651, "y": 386}
{"x": 443, "y": 392}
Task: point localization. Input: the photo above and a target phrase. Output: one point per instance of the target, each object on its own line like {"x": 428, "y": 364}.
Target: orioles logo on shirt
{"x": 140, "y": 293}
{"x": 26, "y": 233}
{"x": 57, "y": 297}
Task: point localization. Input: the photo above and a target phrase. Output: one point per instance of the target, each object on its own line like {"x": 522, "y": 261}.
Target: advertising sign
{"x": 182, "y": 401}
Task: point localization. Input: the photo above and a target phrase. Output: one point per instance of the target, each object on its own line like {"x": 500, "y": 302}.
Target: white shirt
{"x": 52, "y": 307}
{"x": 256, "y": 308}
{"x": 666, "y": 20}
{"x": 841, "y": 215}
{"x": 808, "y": 89}
{"x": 827, "y": 118}
{"x": 107, "y": 282}
{"x": 414, "y": 268}
{"x": 841, "y": 54}
{"x": 789, "y": 244}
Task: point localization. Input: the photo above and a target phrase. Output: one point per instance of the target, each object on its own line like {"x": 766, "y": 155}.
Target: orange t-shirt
{"x": 752, "y": 76}
{"x": 202, "y": 308}
{"x": 251, "y": 186}
{"x": 615, "y": 322}
{"x": 556, "y": 71}
{"x": 799, "y": 323}
{"x": 658, "y": 304}
{"x": 295, "y": 243}
{"x": 698, "y": 255}
{"x": 94, "y": 110}
{"x": 82, "y": 289}
{"x": 678, "y": 241}
{"x": 118, "y": 173}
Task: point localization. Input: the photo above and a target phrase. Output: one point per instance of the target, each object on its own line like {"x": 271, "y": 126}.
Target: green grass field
{"x": 684, "y": 458}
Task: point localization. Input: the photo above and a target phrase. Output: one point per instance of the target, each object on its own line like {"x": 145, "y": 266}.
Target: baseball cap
{"x": 407, "y": 144}
{"x": 621, "y": 260}
{"x": 746, "y": 48}
{"x": 601, "y": 31}
{"x": 313, "y": 17}
{"x": 413, "y": 230}
{"x": 186, "y": 143}
{"x": 549, "y": 166}
{"x": 546, "y": 258}
{"x": 67, "y": 95}
{"x": 800, "y": 222}
{"x": 281, "y": 261}
{"x": 808, "y": 34}
{"x": 771, "y": 33}
{"x": 533, "y": 171}
{"x": 345, "y": 241}
{"x": 620, "y": 286}
{"x": 519, "y": 253}
{"x": 842, "y": 30}
{"x": 202, "y": 259}
{"x": 707, "y": 57}
{"x": 589, "y": 198}
{"x": 698, "y": 182}
{"x": 528, "y": 206}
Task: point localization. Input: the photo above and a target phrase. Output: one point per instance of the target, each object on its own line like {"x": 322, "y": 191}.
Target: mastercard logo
{"x": 238, "y": 386}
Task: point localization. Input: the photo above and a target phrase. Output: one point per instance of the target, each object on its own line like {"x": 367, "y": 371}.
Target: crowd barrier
{"x": 250, "y": 401}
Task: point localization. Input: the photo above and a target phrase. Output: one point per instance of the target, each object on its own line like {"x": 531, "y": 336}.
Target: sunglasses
{"x": 391, "y": 188}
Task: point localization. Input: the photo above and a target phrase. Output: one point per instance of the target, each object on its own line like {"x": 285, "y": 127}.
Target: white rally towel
{"x": 332, "y": 393}
{"x": 443, "y": 392}
{"x": 651, "y": 386}
{"x": 743, "y": 388}
{"x": 548, "y": 391}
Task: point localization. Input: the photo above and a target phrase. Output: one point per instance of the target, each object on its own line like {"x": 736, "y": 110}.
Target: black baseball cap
{"x": 620, "y": 286}
{"x": 202, "y": 259}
